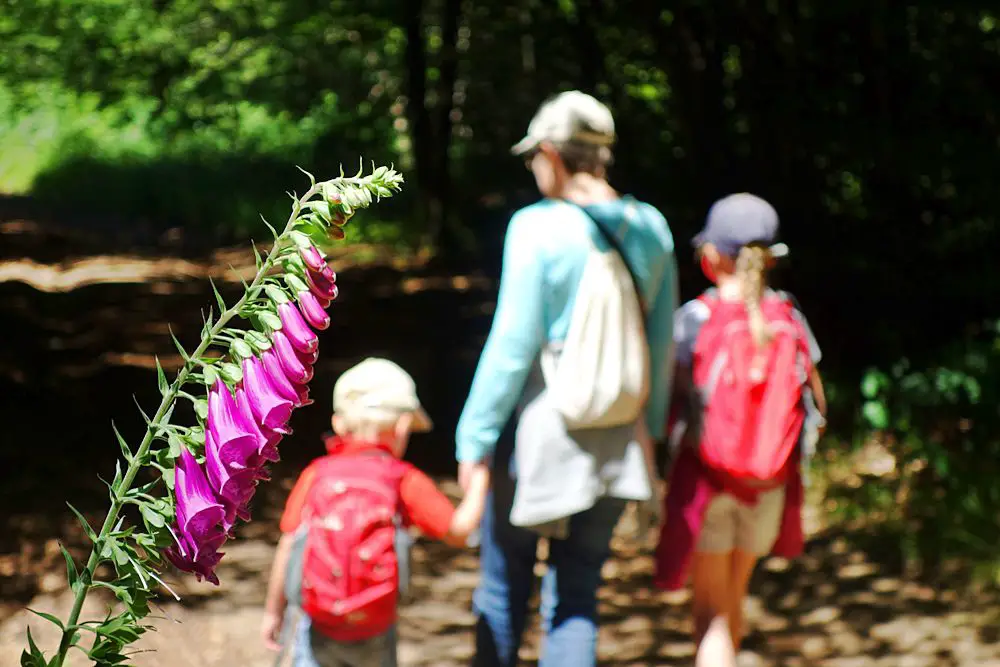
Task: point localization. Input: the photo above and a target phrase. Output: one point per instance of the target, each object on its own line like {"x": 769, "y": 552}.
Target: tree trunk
{"x": 443, "y": 235}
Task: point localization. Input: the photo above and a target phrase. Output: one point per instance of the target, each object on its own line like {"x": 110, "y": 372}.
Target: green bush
{"x": 123, "y": 161}
{"x": 943, "y": 422}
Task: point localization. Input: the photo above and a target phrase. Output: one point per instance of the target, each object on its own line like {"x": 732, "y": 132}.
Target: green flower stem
{"x": 137, "y": 461}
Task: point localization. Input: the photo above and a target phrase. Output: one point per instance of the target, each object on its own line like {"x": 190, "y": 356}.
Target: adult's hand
{"x": 467, "y": 471}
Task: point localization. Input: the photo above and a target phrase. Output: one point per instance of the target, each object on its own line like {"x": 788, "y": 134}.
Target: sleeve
{"x": 815, "y": 353}
{"x": 511, "y": 348}
{"x": 292, "y": 516}
{"x": 660, "y": 332}
{"x": 687, "y": 322}
{"x": 424, "y": 505}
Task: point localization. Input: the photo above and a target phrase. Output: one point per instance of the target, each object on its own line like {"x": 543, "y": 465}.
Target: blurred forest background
{"x": 872, "y": 126}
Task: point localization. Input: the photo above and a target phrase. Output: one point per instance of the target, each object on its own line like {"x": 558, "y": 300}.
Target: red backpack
{"x": 752, "y": 396}
{"x": 350, "y": 571}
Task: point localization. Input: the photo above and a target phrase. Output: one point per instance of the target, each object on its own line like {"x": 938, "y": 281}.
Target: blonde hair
{"x": 751, "y": 264}
{"x": 370, "y": 424}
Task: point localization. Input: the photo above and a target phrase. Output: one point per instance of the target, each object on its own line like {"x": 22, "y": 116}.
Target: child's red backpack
{"x": 350, "y": 571}
{"x": 751, "y": 395}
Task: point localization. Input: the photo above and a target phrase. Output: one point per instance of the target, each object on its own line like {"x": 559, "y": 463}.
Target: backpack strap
{"x": 616, "y": 245}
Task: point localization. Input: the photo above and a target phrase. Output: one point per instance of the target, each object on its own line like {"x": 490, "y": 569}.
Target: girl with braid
{"x": 719, "y": 522}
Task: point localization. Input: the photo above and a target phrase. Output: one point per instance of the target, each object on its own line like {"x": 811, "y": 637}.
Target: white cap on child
{"x": 378, "y": 386}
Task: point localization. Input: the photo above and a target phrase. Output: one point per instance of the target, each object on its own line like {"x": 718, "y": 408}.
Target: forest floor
{"x": 80, "y": 324}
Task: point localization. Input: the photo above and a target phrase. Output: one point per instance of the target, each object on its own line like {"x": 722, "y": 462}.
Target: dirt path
{"x": 80, "y": 328}
{"x": 834, "y": 607}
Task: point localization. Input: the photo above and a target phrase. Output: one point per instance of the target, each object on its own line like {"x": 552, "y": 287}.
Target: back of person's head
{"x": 579, "y": 128}
{"x": 739, "y": 237}
{"x": 376, "y": 401}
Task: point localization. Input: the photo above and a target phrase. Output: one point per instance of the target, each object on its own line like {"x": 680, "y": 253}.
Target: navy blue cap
{"x": 739, "y": 220}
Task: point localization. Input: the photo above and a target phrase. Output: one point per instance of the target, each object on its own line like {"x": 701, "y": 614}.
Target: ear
{"x": 548, "y": 149}
{"x": 404, "y": 425}
{"x": 711, "y": 253}
{"x": 339, "y": 425}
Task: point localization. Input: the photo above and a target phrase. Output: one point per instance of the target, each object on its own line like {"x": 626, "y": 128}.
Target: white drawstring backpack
{"x": 599, "y": 376}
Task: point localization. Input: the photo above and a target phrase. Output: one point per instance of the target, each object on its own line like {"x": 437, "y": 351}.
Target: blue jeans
{"x": 569, "y": 588}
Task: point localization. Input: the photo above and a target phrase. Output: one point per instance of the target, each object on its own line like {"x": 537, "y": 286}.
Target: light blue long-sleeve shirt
{"x": 545, "y": 251}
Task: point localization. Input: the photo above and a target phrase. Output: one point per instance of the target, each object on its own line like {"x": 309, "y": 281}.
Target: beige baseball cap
{"x": 377, "y": 387}
{"x": 571, "y": 116}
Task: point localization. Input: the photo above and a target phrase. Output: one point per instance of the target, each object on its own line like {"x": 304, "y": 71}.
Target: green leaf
{"x": 241, "y": 349}
{"x": 72, "y": 575}
{"x": 258, "y": 340}
{"x": 218, "y": 297}
{"x": 201, "y": 408}
{"x": 161, "y": 377}
{"x": 152, "y": 517}
{"x": 177, "y": 344}
{"x": 320, "y": 208}
{"x": 295, "y": 283}
{"x": 126, "y": 452}
{"x": 312, "y": 179}
{"x": 48, "y": 617}
{"x": 273, "y": 232}
{"x": 300, "y": 239}
{"x": 294, "y": 264}
{"x": 35, "y": 658}
{"x": 231, "y": 372}
{"x": 210, "y": 375}
{"x": 145, "y": 417}
{"x": 118, "y": 476}
{"x": 276, "y": 294}
{"x": 206, "y": 328}
{"x": 876, "y": 414}
{"x": 83, "y": 522}
{"x": 270, "y": 320}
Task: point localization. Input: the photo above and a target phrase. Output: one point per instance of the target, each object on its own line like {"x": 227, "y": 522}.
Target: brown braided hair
{"x": 751, "y": 265}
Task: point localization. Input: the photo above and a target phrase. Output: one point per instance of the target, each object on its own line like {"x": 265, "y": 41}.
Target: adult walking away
{"x": 571, "y": 485}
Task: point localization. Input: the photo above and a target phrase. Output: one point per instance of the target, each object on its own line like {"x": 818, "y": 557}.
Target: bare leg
{"x": 711, "y": 574}
{"x": 742, "y": 564}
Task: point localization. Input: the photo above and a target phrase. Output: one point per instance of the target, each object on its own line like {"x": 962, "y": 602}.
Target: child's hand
{"x": 469, "y": 512}
{"x": 270, "y": 630}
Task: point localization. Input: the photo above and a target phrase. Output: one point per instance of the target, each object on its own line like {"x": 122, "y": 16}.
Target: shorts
{"x": 732, "y": 524}
{"x": 313, "y": 649}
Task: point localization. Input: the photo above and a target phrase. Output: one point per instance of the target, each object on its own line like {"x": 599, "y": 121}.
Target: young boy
{"x": 343, "y": 515}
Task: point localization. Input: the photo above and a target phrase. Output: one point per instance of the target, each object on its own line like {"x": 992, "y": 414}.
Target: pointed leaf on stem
{"x": 145, "y": 417}
{"x": 126, "y": 452}
{"x": 48, "y": 617}
{"x": 274, "y": 233}
{"x": 34, "y": 659}
{"x": 177, "y": 344}
{"x": 72, "y": 575}
{"x": 257, "y": 259}
{"x": 206, "y": 327}
{"x": 246, "y": 286}
{"x": 218, "y": 297}
{"x": 161, "y": 377}
{"x": 83, "y": 522}
{"x": 312, "y": 179}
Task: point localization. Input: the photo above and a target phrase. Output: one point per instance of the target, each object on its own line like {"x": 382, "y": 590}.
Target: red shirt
{"x": 422, "y": 503}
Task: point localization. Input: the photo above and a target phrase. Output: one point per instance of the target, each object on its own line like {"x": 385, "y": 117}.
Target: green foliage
{"x": 944, "y": 421}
